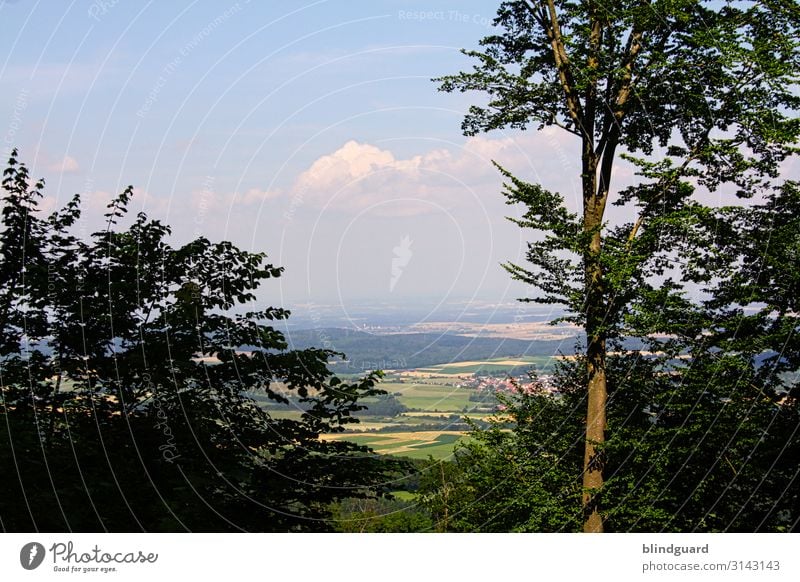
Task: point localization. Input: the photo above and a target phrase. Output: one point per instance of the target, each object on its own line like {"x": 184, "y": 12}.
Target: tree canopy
{"x": 700, "y": 98}
{"x": 126, "y": 399}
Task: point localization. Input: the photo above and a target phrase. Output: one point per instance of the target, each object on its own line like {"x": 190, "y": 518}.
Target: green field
{"x": 416, "y": 445}
{"x": 288, "y": 413}
{"x": 429, "y": 397}
{"x": 437, "y": 451}
{"x": 433, "y": 398}
{"x": 541, "y": 363}
{"x": 442, "y": 398}
{"x": 404, "y": 495}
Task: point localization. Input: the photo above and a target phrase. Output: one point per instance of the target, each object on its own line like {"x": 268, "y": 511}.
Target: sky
{"x": 308, "y": 130}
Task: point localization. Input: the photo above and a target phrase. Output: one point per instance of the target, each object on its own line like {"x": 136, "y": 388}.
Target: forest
{"x": 140, "y": 375}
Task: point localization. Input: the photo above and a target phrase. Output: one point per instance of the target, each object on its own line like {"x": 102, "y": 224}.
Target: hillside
{"x": 415, "y": 350}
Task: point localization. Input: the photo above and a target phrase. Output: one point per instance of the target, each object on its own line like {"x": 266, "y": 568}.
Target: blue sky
{"x": 309, "y": 130}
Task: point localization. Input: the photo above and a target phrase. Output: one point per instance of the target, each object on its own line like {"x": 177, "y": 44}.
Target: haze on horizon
{"x": 312, "y": 132}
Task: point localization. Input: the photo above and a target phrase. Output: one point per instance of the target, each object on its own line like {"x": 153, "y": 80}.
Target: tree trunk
{"x": 593, "y": 461}
{"x": 593, "y": 210}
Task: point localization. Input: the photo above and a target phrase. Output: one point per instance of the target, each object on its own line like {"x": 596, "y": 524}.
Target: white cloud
{"x": 360, "y": 175}
{"x": 349, "y": 163}
{"x": 255, "y": 195}
{"x": 67, "y": 165}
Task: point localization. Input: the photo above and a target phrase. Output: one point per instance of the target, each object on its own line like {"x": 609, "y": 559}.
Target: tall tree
{"x": 698, "y": 95}
{"x": 129, "y": 384}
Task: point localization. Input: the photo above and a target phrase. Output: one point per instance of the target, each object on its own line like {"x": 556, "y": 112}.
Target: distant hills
{"x": 369, "y": 351}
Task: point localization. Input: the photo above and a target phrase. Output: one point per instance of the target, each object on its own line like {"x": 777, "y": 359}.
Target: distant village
{"x": 511, "y": 385}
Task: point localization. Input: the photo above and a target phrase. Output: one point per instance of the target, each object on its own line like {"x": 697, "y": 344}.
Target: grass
{"x": 441, "y": 451}
{"x": 404, "y": 495}
{"x": 292, "y": 414}
{"x": 430, "y": 397}
{"x": 541, "y": 363}
{"x": 448, "y": 439}
{"x": 441, "y": 448}
{"x": 416, "y": 445}
{"x": 374, "y": 441}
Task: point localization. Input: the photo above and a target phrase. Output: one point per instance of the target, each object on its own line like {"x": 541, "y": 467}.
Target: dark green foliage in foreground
{"x": 700, "y": 97}
{"x": 381, "y": 516}
{"x": 704, "y": 427}
{"x": 704, "y": 450}
{"x": 110, "y": 420}
{"x": 507, "y": 481}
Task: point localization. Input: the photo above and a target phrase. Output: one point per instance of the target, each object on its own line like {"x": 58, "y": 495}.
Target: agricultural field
{"x": 435, "y": 401}
{"x": 429, "y": 397}
{"x": 415, "y": 445}
{"x": 465, "y": 369}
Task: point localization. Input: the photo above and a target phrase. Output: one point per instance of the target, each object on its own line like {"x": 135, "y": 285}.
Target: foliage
{"x": 518, "y": 480}
{"x": 708, "y": 449}
{"x": 125, "y": 399}
{"x": 700, "y": 98}
{"x": 707, "y": 446}
{"x": 380, "y": 516}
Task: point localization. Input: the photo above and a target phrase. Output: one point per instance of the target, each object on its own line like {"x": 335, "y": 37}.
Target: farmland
{"x": 414, "y": 350}
{"x": 436, "y": 400}
{"x": 416, "y": 445}
{"x": 437, "y": 375}
{"x": 498, "y": 365}
{"x": 425, "y": 410}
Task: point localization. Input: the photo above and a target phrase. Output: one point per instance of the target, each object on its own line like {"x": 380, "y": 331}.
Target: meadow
{"x": 437, "y": 401}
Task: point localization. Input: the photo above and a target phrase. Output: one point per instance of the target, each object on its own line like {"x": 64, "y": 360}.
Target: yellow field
{"x": 426, "y": 375}
{"x": 428, "y": 414}
{"x": 522, "y": 330}
{"x": 419, "y": 444}
{"x": 482, "y": 362}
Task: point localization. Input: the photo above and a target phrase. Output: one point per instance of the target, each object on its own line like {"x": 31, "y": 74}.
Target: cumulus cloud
{"x": 351, "y": 162}
{"x": 358, "y": 176}
{"x": 67, "y": 165}
{"x": 256, "y": 195}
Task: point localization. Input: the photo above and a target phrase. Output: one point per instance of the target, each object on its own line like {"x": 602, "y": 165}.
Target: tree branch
{"x": 548, "y": 19}
{"x": 616, "y": 112}
{"x": 673, "y": 178}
